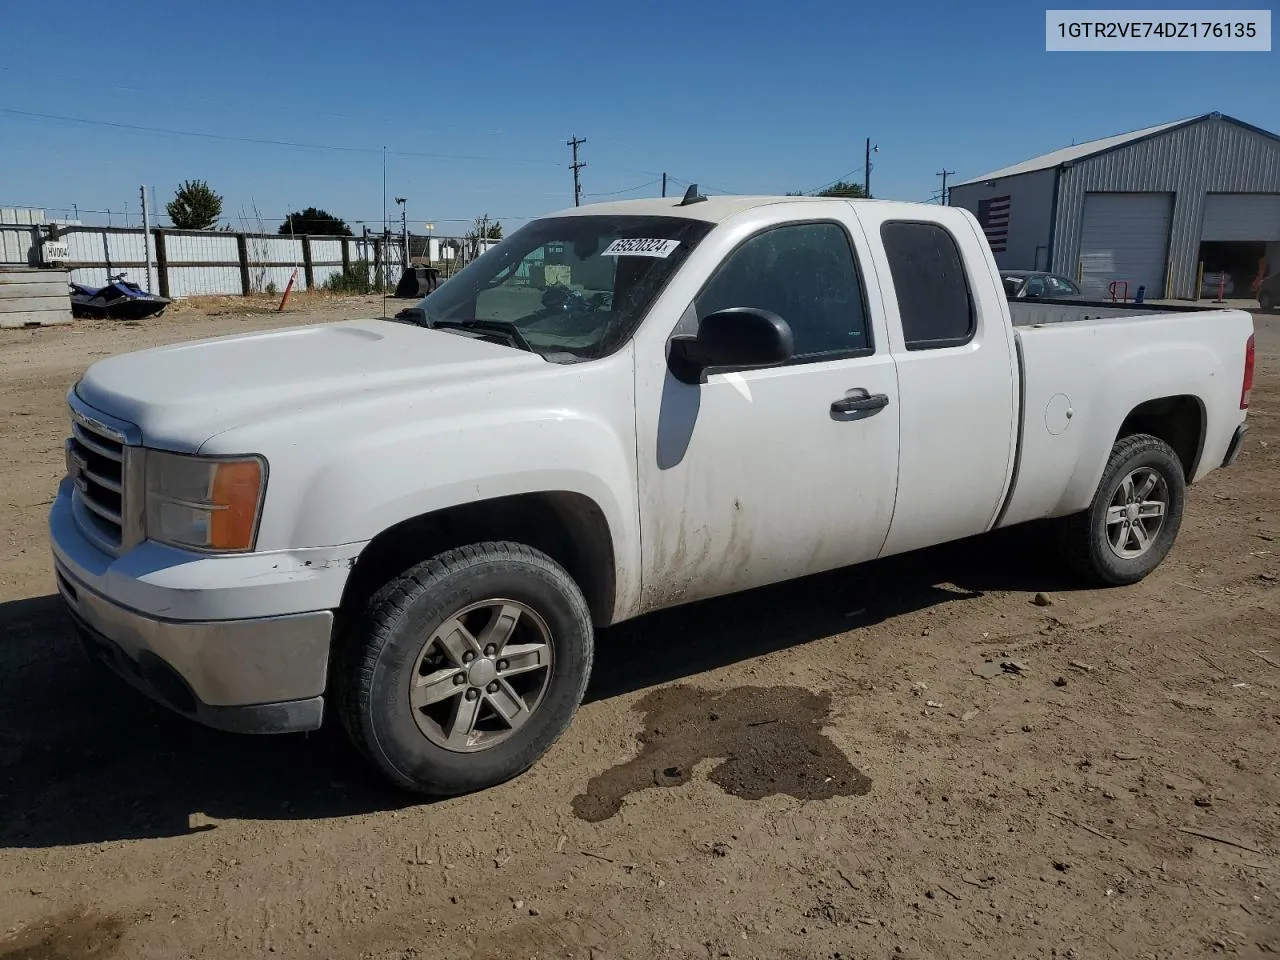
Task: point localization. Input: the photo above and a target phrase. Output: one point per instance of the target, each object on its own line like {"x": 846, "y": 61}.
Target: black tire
{"x": 1085, "y": 542}
{"x": 382, "y": 650}
{"x": 1265, "y": 302}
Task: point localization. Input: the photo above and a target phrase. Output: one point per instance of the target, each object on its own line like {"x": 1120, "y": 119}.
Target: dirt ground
{"x": 837, "y": 768}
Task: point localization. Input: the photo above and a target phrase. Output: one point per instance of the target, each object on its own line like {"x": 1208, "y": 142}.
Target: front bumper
{"x": 236, "y": 642}
{"x": 263, "y": 675}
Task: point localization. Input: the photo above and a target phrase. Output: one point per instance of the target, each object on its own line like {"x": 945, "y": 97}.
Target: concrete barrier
{"x": 31, "y": 297}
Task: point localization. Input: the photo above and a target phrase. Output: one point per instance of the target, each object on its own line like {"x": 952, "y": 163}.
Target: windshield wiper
{"x": 418, "y": 316}
{"x": 503, "y": 327}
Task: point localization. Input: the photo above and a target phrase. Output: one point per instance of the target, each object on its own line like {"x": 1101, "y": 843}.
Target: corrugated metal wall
{"x": 201, "y": 264}
{"x": 1030, "y": 215}
{"x": 106, "y": 247}
{"x": 94, "y": 254}
{"x": 326, "y": 260}
{"x": 27, "y": 216}
{"x": 15, "y": 245}
{"x": 272, "y": 261}
{"x": 1214, "y": 156}
{"x": 206, "y": 263}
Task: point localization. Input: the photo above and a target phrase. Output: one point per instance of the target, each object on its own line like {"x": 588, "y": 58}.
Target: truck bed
{"x": 1030, "y": 313}
{"x": 1081, "y": 379}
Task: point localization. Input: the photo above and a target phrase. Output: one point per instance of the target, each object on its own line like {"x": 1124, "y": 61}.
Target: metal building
{"x": 1157, "y": 208}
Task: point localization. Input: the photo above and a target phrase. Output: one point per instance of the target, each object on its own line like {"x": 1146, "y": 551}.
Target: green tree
{"x": 314, "y": 223}
{"x": 840, "y": 188}
{"x": 852, "y": 191}
{"x": 194, "y": 206}
{"x": 483, "y": 229}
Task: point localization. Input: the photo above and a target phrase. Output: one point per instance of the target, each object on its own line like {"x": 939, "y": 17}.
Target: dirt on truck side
{"x": 953, "y": 753}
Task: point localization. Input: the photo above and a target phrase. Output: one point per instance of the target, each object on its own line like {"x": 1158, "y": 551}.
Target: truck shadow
{"x": 83, "y": 759}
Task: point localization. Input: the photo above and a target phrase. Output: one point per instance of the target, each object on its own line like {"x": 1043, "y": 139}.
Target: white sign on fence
{"x": 52, "y": 251}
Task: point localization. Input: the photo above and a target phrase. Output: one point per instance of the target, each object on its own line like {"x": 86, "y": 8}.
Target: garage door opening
{"x": 1232, "y": 267}
{"x": 1124, "y": 239}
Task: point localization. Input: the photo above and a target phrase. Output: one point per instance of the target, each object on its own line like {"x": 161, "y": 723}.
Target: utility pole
{"x": 866, "y": 172}
{"x": 664, "y": 184}
{"x": 146, "y": 240}
{"x": 386, "y": 271}
{"x": 944, "y": 173}
{"x": 573, "y": 144}
{"x": 404, "y": 234}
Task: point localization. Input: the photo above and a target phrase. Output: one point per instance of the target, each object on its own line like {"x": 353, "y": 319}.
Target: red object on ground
{"x": 287, "y": 290}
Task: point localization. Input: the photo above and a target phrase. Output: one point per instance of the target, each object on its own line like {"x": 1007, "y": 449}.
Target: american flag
{"x": 993, "y": 214}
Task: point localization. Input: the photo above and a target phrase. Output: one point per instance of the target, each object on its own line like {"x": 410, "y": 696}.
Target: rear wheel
{"x": 1135, "y": 515}
{"x": 1266, "y": 301}
{"x": 467, "y": 668}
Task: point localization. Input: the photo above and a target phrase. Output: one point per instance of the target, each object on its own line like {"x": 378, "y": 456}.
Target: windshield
{"x": 574, "y": 288}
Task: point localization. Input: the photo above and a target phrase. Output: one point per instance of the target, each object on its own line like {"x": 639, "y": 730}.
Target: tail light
{"x": 1247, "y": 385}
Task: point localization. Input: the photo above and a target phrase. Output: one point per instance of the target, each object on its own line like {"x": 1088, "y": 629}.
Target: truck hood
{"x": 179, "y": 396}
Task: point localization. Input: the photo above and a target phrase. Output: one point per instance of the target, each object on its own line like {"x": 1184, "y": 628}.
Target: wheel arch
{"x": 1180, "y": 421}
{"x": 569, "y": 527}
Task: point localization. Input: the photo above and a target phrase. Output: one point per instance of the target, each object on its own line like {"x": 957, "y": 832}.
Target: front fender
{"x": 377, "y": 480}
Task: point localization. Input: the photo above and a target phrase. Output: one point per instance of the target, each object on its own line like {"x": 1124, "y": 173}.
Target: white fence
{"x": 191, "y": 263}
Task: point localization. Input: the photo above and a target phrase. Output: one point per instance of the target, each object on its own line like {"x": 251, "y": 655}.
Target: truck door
{"x": 758, "y": 476}
{"x": 957, "y": 373}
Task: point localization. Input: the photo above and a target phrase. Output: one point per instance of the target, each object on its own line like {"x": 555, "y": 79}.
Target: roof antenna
{"x": 691, "y": 196}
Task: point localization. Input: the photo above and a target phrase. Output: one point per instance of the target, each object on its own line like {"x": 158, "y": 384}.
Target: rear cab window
{"x": 934, "y": 299}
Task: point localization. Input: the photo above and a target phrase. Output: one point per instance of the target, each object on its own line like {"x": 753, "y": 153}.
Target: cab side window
{"x": 806, "y": 274}
{"x": 929, "y": 279}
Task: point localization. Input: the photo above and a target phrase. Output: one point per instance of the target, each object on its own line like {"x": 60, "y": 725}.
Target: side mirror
{"x": 739, "y": 338}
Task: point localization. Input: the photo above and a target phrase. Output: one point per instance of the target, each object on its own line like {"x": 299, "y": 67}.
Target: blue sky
{"x": 742, "y": 97}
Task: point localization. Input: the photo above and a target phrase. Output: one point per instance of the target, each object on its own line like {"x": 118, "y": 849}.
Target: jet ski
{"x": 118, "y": 300}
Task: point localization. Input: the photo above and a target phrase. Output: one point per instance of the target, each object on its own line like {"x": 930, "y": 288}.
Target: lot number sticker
{"x": 641, "y": 248}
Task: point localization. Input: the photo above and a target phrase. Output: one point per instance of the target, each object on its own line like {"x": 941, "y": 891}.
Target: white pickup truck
{"x": 619, "y": 408}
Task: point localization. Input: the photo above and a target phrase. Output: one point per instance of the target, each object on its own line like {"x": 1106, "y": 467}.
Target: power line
{"x": 710, "y": 186}
{"x": 614, "y": 193}
{"x": 326, "y": 115}
{"x": 263, "y": 141}
{"x": 839, "y": 179}
{"x": 341, "y": 148}
{"x": 78, "y": 211}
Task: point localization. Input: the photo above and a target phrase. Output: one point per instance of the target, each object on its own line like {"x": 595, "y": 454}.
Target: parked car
{"x": 1019, "y": 284}
{"x": 1269, "y": 293}
{"x": 419, "y": 522}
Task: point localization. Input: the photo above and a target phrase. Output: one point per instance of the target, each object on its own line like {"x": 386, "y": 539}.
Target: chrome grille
{"x": 102, "y": 465}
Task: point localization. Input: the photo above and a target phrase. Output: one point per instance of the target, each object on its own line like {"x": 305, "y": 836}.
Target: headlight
{"x": 204, "y": 503}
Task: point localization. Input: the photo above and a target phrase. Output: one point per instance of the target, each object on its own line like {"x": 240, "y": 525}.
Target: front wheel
{"x": 1133, "y": 520}
{"x": 467, "y": 668}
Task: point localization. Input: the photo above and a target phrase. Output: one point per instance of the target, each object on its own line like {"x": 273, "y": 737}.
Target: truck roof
{"x": 711, "y": 210}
